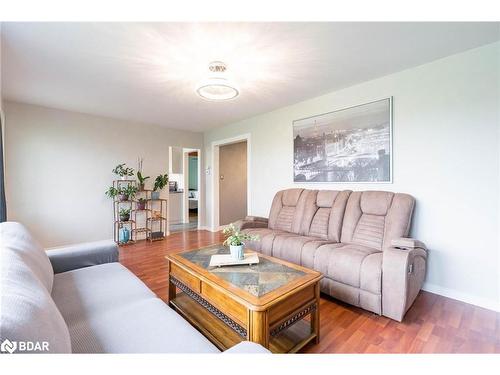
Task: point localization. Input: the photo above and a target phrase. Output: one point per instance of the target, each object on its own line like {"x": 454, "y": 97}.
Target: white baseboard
{"x": 210, "y": 229}
{"x": 464, "y": 297}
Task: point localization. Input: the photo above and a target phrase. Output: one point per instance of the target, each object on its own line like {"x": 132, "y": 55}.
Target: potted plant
{"x": 235, "y": 240}
{"x": 141, "y": 180}
{"x": 112, "y": 192}
{"x": 140, "y": 177}
{"x": 124, "y": 214}
{"x": 129, "y": 191}
{"x": 160, "y": 182}
{"x": 123, "y": 171}
{"x": 141, "y": 203}
{"x": 123, "y": 193}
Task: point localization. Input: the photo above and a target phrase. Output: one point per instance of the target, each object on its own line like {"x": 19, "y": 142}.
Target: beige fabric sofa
{"x": 358, "y": 240}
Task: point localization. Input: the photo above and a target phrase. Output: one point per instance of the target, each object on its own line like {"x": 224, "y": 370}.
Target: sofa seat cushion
{"x": 290, "y": 247}
{"x": 315, "y": 256}
{"x": 141, "y": 326}
{"x": 355, "y": 265}
{"x": 266, "y": 238}
{"x": 16, "y": 238}
{"x": 93, "y": 290}
{"x": 109, "y": 310}
{"x": 27, "y": 311}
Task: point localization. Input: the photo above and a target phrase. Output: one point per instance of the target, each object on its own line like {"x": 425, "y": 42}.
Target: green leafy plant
{"x": 129, "y": 191}
{"x": 141, "y": 178}
{"x": 236, "y": 238}
{"x": 112, "y": 192}
{"x": 160, "y": 182}
{"x": 122, "y": 171}
{"x": 124, "y": 211}
{"x": 124, "y": 214}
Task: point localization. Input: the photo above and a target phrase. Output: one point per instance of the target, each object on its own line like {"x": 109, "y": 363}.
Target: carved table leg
{"x": 171, "y": 288}
{"x": 259, "y": 328}
{"x": 315, "y": 315}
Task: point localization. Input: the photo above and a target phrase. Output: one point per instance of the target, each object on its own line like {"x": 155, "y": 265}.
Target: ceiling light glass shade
{"x": 217, "y": 89}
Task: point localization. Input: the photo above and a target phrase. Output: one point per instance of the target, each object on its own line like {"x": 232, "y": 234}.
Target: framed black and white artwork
{"x": 348, "y": 145}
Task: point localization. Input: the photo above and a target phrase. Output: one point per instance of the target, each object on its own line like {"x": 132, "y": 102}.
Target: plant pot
{"x": 125, "y": 217}
{"x": 155, "y": 195}
{"x": 141, "y": 187}
{"x": 122, "y": 197}
{"x": 124, "y": 177}
{"x": 237, "y": 252}
{"x": 141, "y": 205}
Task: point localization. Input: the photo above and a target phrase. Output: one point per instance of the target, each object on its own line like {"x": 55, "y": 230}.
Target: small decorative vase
{"x": 122, "y": 197}
{"x": 155, "y": 195}
{"x": 237, "y": 252}
{"x": 141, "y": 205}
{"x": 123, "y": 235}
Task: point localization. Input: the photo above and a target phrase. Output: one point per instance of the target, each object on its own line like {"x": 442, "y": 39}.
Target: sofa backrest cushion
{"x": 324, "y": 212}
{"x": 28, "y": 313}
{"x": 287, "y": 210}
{"x": 16, "y": 238}
{"x": 375, "y": 218}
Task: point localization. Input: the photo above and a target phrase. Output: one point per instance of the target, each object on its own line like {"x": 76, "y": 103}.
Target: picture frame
{"x": 348, "y": 145}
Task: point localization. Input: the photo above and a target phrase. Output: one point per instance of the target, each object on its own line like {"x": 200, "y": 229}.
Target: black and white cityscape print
{"x": 349, "y": 145}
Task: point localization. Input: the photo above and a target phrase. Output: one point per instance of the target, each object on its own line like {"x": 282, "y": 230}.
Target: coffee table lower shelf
{"x": 290, "y": 340}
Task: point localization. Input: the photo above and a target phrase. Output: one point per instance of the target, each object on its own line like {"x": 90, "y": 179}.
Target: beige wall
{"x": 58, "y": 166}
{"x": 233, "y": 188}
{"x": 446, "y": 154}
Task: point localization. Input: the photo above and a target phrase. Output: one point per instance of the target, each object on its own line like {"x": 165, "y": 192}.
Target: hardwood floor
{"x": 434, "y": 324}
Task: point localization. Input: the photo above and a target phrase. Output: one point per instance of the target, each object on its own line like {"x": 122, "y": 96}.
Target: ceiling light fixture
{"x": 217, "y": 87}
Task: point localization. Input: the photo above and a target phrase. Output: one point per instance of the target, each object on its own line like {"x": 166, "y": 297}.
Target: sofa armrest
{"x": 403, "y": 273}
{"x": 247, "y": 347}
{"x": 257, "y": 218}
{"x": 407, "y": 244}
{"x": 252, "y": 222}
{"x": 82, "y": 255}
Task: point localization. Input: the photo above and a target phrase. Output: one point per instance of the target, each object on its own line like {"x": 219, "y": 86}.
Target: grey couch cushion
{"x": 109, "y": 310}
{"x": 247, "y": 347}
{"x": 143, "y": 326}
{"x": 28, "y": 313}
{"x": 16, "y": 238}
{"x": 92, "y": 290}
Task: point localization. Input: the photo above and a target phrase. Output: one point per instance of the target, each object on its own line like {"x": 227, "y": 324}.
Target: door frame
{"x": 185, "y": 169}
{"x": 215, "y": 175}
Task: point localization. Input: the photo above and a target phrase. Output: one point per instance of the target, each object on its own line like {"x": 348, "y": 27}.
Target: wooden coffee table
{"x": 274, "y": 303}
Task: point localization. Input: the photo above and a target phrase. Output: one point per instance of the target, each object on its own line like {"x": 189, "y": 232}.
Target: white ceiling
{"x": 147, "y": 72}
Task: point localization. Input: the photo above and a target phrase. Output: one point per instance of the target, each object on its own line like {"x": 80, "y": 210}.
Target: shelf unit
{"x": 143, "y": 231}
{"x": 150, "y": 223}
{"x": 117, "y": 205}
{"x": 157, "y": 223}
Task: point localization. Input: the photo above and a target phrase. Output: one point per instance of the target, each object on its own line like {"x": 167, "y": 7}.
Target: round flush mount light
{"x": 217, "y": 87}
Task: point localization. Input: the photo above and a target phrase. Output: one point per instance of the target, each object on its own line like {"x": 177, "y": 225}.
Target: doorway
{"x": 184, "y": 189}
{"x": 232, "y": 182}
{"x": 191, "y": 213}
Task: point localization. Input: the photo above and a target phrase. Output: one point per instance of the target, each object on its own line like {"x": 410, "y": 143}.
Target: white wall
{"x": 58, "y": 166}
{"x": 446, "y": 154}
